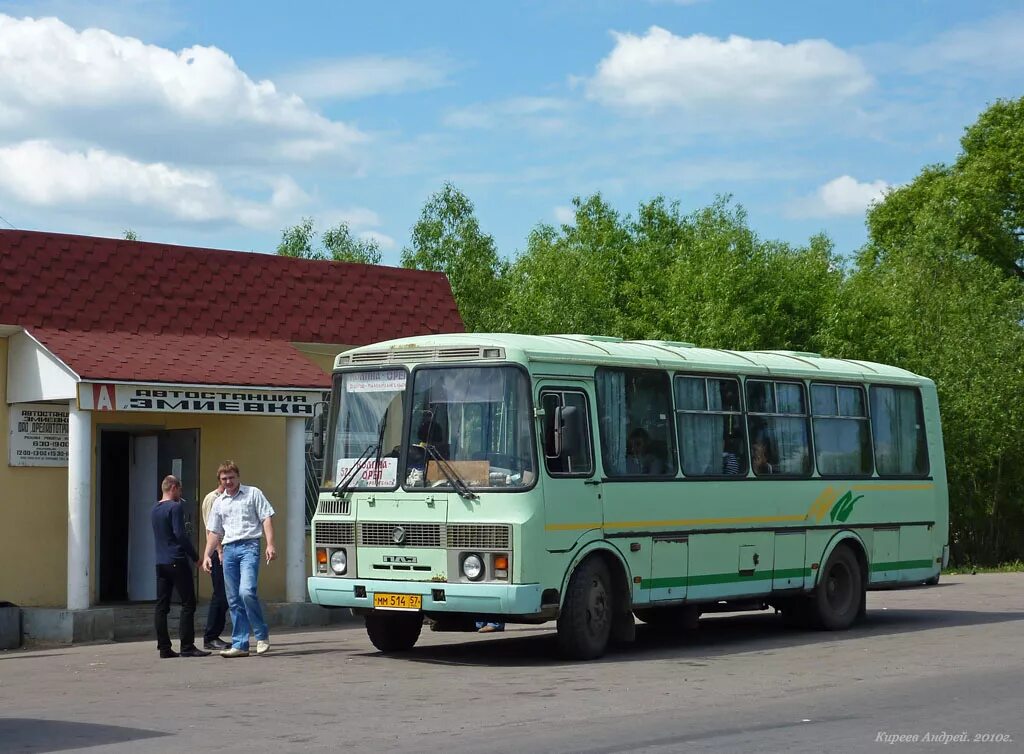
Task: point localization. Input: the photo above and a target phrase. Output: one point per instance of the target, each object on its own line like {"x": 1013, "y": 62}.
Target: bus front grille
{"x": 412, "y": 535}
{"x": 334, "y": 507}
{"x": 334, "y": 533}
{"x": 478, "y": 537}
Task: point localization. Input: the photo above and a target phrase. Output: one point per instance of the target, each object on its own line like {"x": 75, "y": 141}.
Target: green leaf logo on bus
{"x": 829, "y": 501}
{"x": 843, "y": 507}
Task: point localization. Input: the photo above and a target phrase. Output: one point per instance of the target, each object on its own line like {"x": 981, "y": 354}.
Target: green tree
{"x": 447, "y": 238}
{"x": 129, "y": 235}
{"x": 979, "y": 200}
{"x": 938, "y": 290}
{"x": 703, "y": 277}
{"x": 337, "y": 244}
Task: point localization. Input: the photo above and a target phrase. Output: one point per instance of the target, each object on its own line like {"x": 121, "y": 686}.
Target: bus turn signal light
{"x": 321, "y": 555}
{"x": 501, "y": 563}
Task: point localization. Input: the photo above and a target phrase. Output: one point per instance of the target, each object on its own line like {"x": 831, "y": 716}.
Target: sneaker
{"x": 262, "y": 646}
{"x": 166, "y": 654}
{"x": 235, "y": 652}
{"x": 193, "y": 652}
{"x": 487, "y": 628}
{"x": 216, "y": 644}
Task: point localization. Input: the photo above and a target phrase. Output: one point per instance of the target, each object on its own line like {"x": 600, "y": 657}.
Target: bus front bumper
{"x": 475, "y": 599}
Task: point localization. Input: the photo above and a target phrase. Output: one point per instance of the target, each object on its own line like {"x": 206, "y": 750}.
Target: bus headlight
{"x": 339, "y": 562}
{"x": 473, "y": 567}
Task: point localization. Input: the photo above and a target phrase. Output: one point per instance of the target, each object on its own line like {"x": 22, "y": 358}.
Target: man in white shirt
{"x": 240, "y": 516}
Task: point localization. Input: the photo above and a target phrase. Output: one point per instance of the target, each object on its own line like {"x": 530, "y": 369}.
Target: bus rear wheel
{"x": 840, "y": 594}
{"x": 393, "y": 632}
{"x": 585, "y": 621}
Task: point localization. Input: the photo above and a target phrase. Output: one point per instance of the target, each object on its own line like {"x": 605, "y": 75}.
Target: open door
{"x": 154, "y": 456}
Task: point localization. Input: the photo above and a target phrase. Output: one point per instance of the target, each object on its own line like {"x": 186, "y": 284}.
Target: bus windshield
{"x": 369, "y": 409}
{"x": 470, "y": 426}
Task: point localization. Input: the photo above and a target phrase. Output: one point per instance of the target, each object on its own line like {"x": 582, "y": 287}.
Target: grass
{"x": 1011, "y": 567}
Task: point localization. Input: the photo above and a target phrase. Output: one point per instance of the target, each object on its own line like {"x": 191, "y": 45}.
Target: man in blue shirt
{"x": 174, "y": 552}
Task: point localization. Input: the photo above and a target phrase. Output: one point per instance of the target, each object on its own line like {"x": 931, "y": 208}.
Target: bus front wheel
{"x": 837, "y": 600}
{"x": 585, "y": 621}
{"x": 393, "y": 632}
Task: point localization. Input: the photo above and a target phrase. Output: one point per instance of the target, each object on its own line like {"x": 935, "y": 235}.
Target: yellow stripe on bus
{"x": 818, "y": 509}
{"x": 890, "y": 487}
{"x": 678, "y": 522}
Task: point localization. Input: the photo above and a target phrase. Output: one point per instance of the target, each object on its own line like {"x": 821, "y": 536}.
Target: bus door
{"x": 572, "y": 498}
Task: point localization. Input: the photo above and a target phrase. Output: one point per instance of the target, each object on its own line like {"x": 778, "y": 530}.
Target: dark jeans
{"x": 176, "y": 576}
{"x": 217, "y": 614}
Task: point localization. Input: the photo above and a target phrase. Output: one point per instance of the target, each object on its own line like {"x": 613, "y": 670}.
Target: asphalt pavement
{"x": 943, "y": 664}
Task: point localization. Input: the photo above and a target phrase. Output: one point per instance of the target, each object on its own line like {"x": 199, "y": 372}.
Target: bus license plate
{"x": 397, "y": 601}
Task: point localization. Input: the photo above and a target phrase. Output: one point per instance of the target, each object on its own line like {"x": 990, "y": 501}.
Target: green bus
{"x": 588, "y": 480}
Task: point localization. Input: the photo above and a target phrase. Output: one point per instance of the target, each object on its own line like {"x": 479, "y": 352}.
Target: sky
{"x": 220, "y": 124}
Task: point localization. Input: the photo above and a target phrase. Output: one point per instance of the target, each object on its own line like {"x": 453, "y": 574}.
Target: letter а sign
{"x": 103, "y": 397}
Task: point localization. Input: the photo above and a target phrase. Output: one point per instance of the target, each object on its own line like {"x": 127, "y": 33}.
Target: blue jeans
{"x": 241, "y": 570}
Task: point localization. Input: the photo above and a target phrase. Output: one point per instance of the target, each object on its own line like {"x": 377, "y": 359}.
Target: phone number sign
{"x": 39, "y": 435}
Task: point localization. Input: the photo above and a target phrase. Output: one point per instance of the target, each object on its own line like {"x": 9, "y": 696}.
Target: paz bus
{"x": 587, "y": 480}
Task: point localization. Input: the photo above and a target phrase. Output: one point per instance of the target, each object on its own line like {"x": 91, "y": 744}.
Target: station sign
{"x": 38, "y": 435}
{"x": 192, "y": 399}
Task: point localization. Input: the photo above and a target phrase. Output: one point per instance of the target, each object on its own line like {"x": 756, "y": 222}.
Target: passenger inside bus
{"x": 640, "y": 458}
{"x": 731, "y": 456}
{"x": 761, "y": 457}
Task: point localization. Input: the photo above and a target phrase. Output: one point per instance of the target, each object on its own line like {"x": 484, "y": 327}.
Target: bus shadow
{"x": 716, "y": 635}
{"x": 34, "y": 735}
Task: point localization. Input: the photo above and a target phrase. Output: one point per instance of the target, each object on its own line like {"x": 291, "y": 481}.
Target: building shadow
{"x": 717, "y": 635}
{"x": 20, "y": 734}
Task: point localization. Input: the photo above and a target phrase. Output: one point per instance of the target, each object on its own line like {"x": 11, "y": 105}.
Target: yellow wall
{"x": 33, "y": 523}
{"x": 33, "y": 501}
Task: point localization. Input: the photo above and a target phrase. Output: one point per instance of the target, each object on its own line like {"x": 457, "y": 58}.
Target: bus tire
{"x": 585, "y": 621}
{"x": 393, "y": 632}
{"x": 683, "y": 617}
{"x": 840, "y": 593}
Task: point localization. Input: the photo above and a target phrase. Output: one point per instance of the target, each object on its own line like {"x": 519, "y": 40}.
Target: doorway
{"x": 131, "y": 466}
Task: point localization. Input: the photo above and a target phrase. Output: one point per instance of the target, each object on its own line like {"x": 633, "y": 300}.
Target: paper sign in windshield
{"x": 389, "y": 381}
{"x": 383, "y": 473}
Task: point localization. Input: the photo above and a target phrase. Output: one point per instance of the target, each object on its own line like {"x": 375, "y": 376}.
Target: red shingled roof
{"x": 127, "y": 310}
{"x": 190, "y": 359}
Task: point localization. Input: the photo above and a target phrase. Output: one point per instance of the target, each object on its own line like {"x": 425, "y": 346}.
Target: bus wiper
{"x": 342, "y": 487}
{"x": 380, "y": 444}
{"x": 457, "y": 483}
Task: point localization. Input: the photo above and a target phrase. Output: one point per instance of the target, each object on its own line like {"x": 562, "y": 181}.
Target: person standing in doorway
{"x": 240, "y": 516}
{"x": 174, "y": 553}
{"x": 217, "y": 612}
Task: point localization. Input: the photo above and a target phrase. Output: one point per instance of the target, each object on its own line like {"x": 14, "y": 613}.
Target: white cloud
{"x": 565, "y": 215}
{"x": 992, "y": 44}
{"x": 544, "y": 114}
{"x": 59, "y": 82}
{"x": 386, "y": 242}
{"x": 38, "y": 173}
{"x": 351, "y": 78}
{"x": 840, "y": 196}
{"x": 661, "y": 71}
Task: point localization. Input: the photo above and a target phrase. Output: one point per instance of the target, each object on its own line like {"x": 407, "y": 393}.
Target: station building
{"x": 122, "y": 362}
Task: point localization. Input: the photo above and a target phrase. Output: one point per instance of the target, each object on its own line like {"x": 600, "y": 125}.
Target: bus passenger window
{"x": 777, "y": 422}
{"x": 631, "y": 402}
{"x": 710, "y": 420}
{"x": 897, "y": 426}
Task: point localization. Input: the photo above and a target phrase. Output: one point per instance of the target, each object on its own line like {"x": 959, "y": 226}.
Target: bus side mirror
{"x": 319, "y": 430}
{"x": 567, "y": 431}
